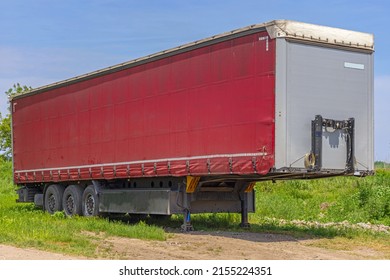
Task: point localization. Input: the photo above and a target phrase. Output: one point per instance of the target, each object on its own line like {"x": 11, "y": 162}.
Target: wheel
{"x": 53, "y": 198}
{"x": 71, "y": 200}
{"x": 90, "y": 202}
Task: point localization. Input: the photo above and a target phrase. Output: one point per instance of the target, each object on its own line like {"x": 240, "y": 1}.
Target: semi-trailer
{"x": 191, "y": 129}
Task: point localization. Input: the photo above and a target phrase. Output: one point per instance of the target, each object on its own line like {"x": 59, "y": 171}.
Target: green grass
{"x": 25, "y": 226}
{"x": 382, "y": 165}
{"x": 357, "y": 200}
{"x": 282, "y": 206}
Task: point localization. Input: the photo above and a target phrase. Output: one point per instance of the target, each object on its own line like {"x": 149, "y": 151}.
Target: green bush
{"x": 6, "y": 184}
{"x": 374, "y": 197}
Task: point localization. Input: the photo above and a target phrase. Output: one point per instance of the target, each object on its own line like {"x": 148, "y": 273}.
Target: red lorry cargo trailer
{"x": 191, "y": 129}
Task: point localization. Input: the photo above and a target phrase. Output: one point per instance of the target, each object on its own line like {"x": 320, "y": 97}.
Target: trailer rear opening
{"x": 191, "y": 129}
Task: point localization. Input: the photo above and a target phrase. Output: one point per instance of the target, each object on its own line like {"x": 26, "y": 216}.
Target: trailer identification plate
{"x": 354, "y": 65}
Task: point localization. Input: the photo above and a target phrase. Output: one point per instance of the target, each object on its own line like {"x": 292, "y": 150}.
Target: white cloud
{"x": 38, "y": 67}
{"x": 382, "y": 117}
{"x": 382, "y": 83}
{"x": 16, "y": 66}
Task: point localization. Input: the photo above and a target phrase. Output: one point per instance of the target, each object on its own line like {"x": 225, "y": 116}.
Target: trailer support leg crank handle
{"x": 186, "y": 226}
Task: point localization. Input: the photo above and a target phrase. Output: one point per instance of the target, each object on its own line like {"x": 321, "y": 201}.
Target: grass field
{"x": 328, "y": 200}
{"x": 25, "y": 226}
{"x": 326, "y": 208}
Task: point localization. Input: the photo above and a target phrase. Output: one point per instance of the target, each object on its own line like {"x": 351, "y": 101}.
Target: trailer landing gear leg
{"x": 244, "y": 211}
{"x": 186, "y": 226}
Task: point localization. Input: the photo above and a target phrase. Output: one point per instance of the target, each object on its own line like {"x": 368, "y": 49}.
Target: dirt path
{"x": 206, "y": 246}
{"x": 13, "y": 253}
{"x": 230, "y": 245}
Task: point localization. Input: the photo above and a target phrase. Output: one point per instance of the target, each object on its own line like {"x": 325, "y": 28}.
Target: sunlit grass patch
{"x": 26, "y": 226}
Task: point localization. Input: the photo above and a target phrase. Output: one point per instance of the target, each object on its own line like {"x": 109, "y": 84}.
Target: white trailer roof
{"x": 318, "y": 33}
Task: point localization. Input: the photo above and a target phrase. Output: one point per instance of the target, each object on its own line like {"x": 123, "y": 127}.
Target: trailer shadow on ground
{"x": 255, "y": 233}
{"x": 247, "y": 235}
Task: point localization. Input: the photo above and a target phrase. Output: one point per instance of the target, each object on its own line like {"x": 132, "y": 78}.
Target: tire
{"x": 71, "y": 200}
{"x": 90, "y": 202}
{"x": 53, "y": 198}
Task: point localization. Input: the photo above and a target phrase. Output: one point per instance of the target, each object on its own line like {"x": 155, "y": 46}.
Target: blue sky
{"x": 44, "y": 41}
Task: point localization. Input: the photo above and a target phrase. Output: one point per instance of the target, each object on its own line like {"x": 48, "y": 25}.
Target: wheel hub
{"x": 70, "y": 205}
{"x": 51, "y": 202}
{"x": 90, "y": 205}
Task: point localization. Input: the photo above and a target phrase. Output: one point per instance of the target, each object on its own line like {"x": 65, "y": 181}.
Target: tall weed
{"x": 327, "y": 200}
